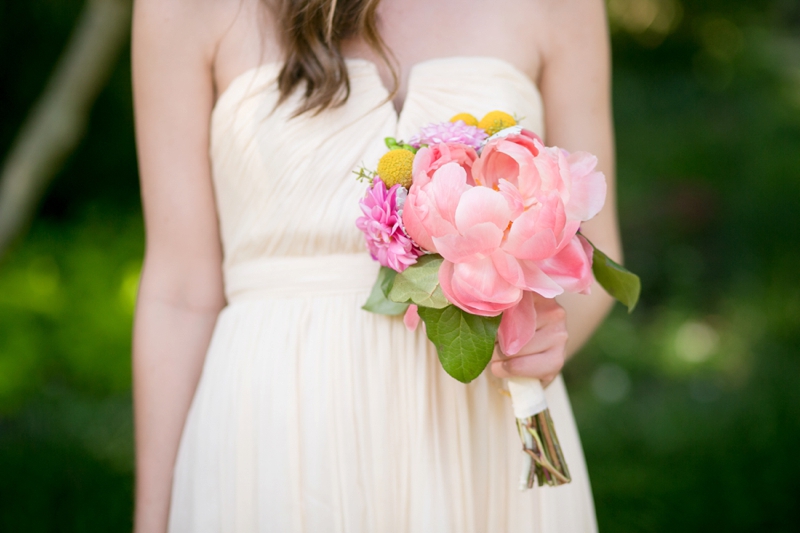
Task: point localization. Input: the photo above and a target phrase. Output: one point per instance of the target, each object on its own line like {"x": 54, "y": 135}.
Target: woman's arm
{"x": 575, "y": 85}
{"x": 576, "y": 89}
{"x": 181, "y": 287}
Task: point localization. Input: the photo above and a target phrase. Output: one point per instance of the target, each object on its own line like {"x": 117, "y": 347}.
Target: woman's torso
{"x": 284, "y": 186}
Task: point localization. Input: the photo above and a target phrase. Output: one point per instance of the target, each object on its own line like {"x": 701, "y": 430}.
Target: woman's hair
{"x": 311, "y": 34}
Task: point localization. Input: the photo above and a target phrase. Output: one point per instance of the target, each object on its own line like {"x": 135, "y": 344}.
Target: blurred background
{"x": 689, "y": 408}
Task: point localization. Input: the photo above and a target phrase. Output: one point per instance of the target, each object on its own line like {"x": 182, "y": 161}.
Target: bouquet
{"x": 469, "y": 219}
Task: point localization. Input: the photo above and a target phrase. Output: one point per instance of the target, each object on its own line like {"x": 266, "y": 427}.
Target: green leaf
{"x": 419, "y": 284}
{"x": 464, "y": 342}
{"x": 378, "y": 301}
{"x": 620, "y": 283}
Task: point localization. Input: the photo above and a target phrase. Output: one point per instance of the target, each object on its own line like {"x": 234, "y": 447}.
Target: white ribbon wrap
{"x": 527, "y": 396}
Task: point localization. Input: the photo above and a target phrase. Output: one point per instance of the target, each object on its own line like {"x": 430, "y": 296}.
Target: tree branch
{"x": 58, "y": 120}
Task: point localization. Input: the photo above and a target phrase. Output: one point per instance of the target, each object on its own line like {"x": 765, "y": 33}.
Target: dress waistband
{"x": 300, "y": 276}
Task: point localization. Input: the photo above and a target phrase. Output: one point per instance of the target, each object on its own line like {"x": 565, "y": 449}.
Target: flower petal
{"x": 536, "y": 280}
{"x": 518, "y": 325}
{"x": 411, "y": 318}
{"x": 528, "y": 238}
{"x": 477, "y": 242}
{"x": 415, "y": 212}
{"x": 508, "y": 268}
{"x": 570, "y": 229}
{"x": 516, "y": 203}
{"x": 429, "y": 159}
{"x": 587, "y": 187}
{"x": 571, "y": 268}
{"x": 549, "y": 171}
{"x": 419, "y": 168}
{"x": 492, "y": 165}
{"x": 525, "y": 275}
{"x": 479, "y": 205}
{"x": 477, "y": 288}
{"x": 526, "y": 174}
{"x": 537, "y": 233}
{"x": 449, "y": 183}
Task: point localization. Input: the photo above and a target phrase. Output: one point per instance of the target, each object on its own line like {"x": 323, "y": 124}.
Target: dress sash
{"x": 300, "y": 276}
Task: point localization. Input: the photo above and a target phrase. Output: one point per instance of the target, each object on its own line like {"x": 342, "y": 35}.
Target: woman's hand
{"x": 544, "y": 355}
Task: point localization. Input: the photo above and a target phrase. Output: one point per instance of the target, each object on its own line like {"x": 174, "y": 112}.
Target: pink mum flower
{"x": 382, "y": 226}
{"x": 449, "y": 132}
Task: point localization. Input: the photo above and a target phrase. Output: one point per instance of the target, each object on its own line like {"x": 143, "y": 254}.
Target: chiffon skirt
{"x": 313, "y": 415}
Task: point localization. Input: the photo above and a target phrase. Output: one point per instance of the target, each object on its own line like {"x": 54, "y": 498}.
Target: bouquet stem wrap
{"x": 543, "y": 459}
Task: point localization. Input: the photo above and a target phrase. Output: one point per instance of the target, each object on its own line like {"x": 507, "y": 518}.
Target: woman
{"x": 311, "y": 414}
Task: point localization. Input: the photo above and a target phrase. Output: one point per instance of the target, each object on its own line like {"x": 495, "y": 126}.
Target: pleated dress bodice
{"x": 285, "y": 185}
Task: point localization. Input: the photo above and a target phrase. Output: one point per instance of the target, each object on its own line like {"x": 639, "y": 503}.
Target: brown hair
{"x": 311, "y": 34}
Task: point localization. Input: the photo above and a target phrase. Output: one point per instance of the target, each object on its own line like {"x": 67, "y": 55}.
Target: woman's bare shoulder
{"x": 185, "y": 27}
{"x": 544, "y": 30}
{"x": 571, "y": 25}
{"x": 248, "y": 40}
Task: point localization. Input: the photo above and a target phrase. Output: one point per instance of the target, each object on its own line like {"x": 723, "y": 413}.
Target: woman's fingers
{"x": 544, "y": 366}
{"x": 545, "y": 338}
{"x": 548, "y": 312}
{"x": 543, "y": 356}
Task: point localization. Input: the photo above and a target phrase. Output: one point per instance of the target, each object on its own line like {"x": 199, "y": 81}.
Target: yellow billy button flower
{"x": 495, "y": 121}
{"x": 468, "y": 119}
{"x": 395, "y": 167}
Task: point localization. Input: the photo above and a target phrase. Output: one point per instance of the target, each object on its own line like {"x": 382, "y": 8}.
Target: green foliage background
{"x": 689, "y": 409}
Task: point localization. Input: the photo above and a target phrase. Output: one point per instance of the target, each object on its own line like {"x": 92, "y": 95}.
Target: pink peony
{"x": 534, "y": 169}
{"x": 382, "y": 226}
{"x": 510, "y": 232}
{"x": 426, "y": 163}
{"x": 429, "y": 159}
{"x": 449, "y": 132}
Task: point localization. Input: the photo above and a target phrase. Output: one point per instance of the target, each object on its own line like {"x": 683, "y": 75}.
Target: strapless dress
{"x": 311, "y": 414}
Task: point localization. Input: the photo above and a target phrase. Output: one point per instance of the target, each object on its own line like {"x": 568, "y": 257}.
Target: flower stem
{"x": 540, "y": 443}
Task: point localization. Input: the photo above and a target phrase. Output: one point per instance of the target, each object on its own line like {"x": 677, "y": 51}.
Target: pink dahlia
{"x": 382, "y": 226}
{"x": 449, "y": 132}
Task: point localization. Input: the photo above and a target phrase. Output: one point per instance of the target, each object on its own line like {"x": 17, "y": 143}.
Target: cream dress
{"x": 313, "y": 415}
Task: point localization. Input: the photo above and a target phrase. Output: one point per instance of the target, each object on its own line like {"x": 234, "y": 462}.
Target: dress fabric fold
{"x": 313, "y": 415}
